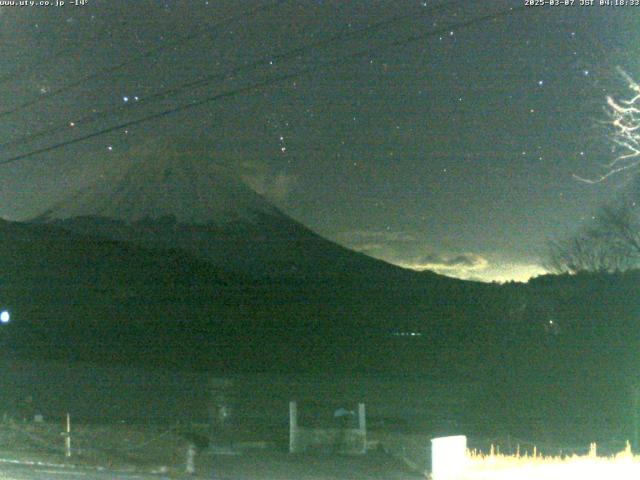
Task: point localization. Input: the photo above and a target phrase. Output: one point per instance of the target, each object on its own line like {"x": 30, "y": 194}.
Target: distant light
{"x": 125, "y": 99}
{"x": 5, "y": 317}
{"x": 406, "y": 334}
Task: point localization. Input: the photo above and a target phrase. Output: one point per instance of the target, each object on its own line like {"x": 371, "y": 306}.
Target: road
{"x": 250, "y": 466}
{"x": 285, "y": 466}
{"x": 22, "y": 471}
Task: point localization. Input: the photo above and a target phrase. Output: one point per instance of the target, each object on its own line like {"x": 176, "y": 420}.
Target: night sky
{"x": 427, "y": 134}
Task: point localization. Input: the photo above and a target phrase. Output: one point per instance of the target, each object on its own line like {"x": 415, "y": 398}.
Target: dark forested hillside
{"x": 77, "y": 296}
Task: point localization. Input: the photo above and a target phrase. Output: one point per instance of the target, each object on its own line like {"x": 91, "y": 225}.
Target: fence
{"x": 117, "y": 446}
{"x": 343, "y": 439}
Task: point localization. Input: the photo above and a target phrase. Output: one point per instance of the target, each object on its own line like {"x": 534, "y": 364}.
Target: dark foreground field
{"x": 266, "y": 465}
{"x": 36, "y": 451}
{"x": 257, "y": 465}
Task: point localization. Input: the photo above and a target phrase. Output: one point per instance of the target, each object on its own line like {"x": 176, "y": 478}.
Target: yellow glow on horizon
{"x": 485, "y": 272}
{"x": 623, "y": 466}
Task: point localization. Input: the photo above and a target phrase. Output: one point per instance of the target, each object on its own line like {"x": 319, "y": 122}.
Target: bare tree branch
{"x": 624, "y": 122}
{"x": 611, "y": 244}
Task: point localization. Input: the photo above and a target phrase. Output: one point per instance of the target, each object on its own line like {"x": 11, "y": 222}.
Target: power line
{"x": 202, "y": 81}
{"x": 146, "y": 54}
{"x": 259, "y": 85}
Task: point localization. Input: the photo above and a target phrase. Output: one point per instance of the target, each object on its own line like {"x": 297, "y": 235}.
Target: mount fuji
{"x": 173, "y": 258}
{"x": 169, "y": 198}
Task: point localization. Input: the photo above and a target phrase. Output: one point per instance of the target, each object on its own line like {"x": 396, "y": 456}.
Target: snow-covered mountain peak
{"x": 168, "y": 180}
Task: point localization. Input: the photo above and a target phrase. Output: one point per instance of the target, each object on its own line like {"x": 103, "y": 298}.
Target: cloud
{"x": 380, "y": 234}
{"x": 445, "y": 262}
{"x": 408, "y": 251}
{"x": 511, "y": 271}
{"x": 375, "y": 240}
{"x": 275, "y": 186}
{"x": 280, "y": 186}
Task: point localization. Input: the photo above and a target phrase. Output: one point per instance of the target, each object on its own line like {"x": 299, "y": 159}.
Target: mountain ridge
{"x": 166, "y": 197}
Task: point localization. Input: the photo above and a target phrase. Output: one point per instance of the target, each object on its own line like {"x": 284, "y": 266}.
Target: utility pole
{"x": 636, "y": 419}
{"x": 293, "y": 427}
{"x": 67, "y": 438}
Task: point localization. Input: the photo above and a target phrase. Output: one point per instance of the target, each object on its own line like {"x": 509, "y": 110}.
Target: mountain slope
{"x": 288, "y": 295}
{"x": 168, "y": 197}
{"x": 77, "y": 297}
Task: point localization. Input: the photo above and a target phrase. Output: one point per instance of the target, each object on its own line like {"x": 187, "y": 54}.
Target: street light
{"x": 5, "y": 317}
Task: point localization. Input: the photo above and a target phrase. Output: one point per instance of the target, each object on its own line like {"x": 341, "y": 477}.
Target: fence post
{"x": 362, "y": 426}
{"x": 221, "y": 411}
{"x": 636, "y": 405}
{"x": 67, "y": 439}
{"x": 293, "y": 427}
{"x": 190, "y": 468}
